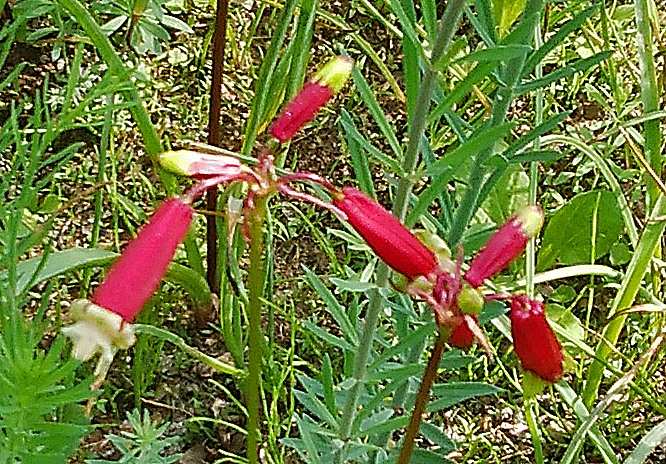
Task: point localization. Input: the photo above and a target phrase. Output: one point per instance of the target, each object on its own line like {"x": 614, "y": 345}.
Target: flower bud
{"x": 470, "y": 301}
{"x": 102, "y": 324}
{"x": 535, "y": 342}
{"x": 386, "y": 235}
{"x": 199, "y": 165}
{"x": 505, "y": 245}
{"x": 462, "y": 336}
{"x": 314, "y": 94}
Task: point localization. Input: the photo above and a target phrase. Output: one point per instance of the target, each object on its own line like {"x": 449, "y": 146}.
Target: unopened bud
{"x": 505, "y": 245}
{"x": 470, "y": 301}
{"x": 462, "y": 336}
{"x": 314, "y": 94}
{"x": 199, "y": 165}
{"x": 535, "y": 342}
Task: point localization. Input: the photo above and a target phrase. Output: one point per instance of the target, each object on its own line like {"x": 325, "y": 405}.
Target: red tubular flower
{"x": 535, "y": 342}
{"x": 505, "y": 245}
{"x": 102, "y": 323}
{"x": 314, "y": 94}
{"x": 462, "y": 336}
{"x": 386, "y": 235}
{"x": 133, "y": 279}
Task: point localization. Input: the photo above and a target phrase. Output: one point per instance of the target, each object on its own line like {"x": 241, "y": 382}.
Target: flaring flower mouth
{"x": 97, "y": 330}
{"x": 103, "y": 324}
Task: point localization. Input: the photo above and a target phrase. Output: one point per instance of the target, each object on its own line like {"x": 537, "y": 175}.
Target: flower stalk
{"x": 256, "y": 218}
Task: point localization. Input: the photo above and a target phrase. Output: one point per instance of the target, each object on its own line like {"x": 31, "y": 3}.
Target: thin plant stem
{"x": 631, "y": 282}
{"x": 530, "y": 259}
{"x": 447, "y": 27}
{"x": 421, "y": 400}
{"x": 529, "y": 405}
{"x": 503, "y": 98}
{"x": 649, "y": 96}
{"x": 219, "y": 43}
{"x": 256, "y": 218}
{"x": 650, "y": 240}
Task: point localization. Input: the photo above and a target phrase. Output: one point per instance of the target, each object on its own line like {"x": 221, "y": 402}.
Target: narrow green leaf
{"x": 429, "y": 10}
{"x": 497, "y": 53}
{"x": 648, "y": 443}
{"x": 328, "y": 337}
{"x": 536, "y": 132}
{"x": 574, "y": 401}
{"x": 486, "y": 138}
{"x": 432, "y": 192}
{"x": 377, "y": 113}
{"x": 352, "y": 132}
{"x": 580, "y": 65}
{"x": 405, "y": 23}
{"x": 561, "y": 33}
{"x": 335, "y": 309}
{"x": 462, "y": 88}
{"x": 454, "y": 392}
{"x": 315, "y": 406}
{"x": 327, "y": 383}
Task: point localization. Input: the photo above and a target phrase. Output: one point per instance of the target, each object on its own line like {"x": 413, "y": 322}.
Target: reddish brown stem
{"x": 219, "y": 42}
{"x": 421, "y": 401}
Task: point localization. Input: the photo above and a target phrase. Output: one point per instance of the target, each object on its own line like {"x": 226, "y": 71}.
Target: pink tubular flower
{"x": 102, "y": 324}
{"x": 200, "y": 165}
{"x": 505, "y": 245}
{"x": 386, "y": 235}
{"x": 535, "y": 342}
{"x": 133, "y": 279}
{"x": 314, "y": 94}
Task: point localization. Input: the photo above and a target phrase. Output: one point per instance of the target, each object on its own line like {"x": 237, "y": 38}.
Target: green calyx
{"x": 470, "y": 301}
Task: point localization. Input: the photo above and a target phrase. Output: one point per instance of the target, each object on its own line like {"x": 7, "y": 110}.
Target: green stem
{"x": 628, "y": 289}
{"x": 529, "y": 406}
{"x": 530, "y": 258}
{"x": 649, "y": 96}
{"x": 256, "y": 218}
{"x": 503, "y": 98}
{"x": 429, "y": 376}
{"x": 447, "y": 27}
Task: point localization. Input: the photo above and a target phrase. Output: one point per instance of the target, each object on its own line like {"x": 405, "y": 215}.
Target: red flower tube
{"x": 314, "y": 94}
{"x": 102, "y": 323}
{"x": 462, "y": 336}
{"x": 134, "y": 278}
{"x": 535, "y": 342}
{"x": 505, "y": 245}
{"x": 386, "y": 235}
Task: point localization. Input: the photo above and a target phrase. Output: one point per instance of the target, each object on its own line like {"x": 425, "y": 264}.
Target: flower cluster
{"x": 103, "y": 324}
{"x": 457, "y": 300}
